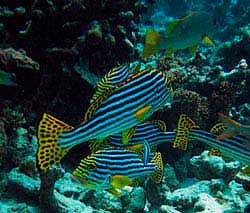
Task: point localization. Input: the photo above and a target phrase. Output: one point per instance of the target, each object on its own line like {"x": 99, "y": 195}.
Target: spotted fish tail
{"x": 185, "y": 124}
{"x": 49, "y": 151}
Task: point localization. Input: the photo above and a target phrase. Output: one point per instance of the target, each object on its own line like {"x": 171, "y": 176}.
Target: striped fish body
{"x": 145, "y": 131}
{"x": 116, "y": 109}
{"x": 97, "y": 169}
{"x": 133, "y": 100}
{"x": 233, "y": 147}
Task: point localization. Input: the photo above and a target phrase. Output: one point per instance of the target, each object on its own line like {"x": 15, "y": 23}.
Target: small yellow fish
{"x": 186, "y": 32}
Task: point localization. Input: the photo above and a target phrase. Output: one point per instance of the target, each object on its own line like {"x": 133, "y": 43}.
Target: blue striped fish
{"x": 112, "y": 169}
{"x": 233, "y": 147}
{"x": 155, "y": 135}
{"x": 117, "y": 110}
{"x": 153, "y": 132}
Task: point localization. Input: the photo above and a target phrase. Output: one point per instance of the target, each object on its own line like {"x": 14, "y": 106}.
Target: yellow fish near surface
{"x": 186, "y": 32}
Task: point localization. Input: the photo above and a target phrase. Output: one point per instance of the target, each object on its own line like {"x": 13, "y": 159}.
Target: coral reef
{"x": 59, "y": 51}
{"x": 206, "y": 167}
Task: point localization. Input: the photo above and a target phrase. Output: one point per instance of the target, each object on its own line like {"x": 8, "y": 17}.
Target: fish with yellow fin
{"x": 114, "y": 168}
{"x": 116, "y": 108}
{"x": 233, "y": 147}
{"x": 187, "y": 32}
{"x": 234, "y": 128}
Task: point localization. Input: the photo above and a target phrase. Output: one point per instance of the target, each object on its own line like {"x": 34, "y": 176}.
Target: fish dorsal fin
{"x": 99, "y": 144}
{"x": 218, "y": 128}
{"x": 160, "y": 124}
{"x": 208, "y": 41}
{"x": 185, "y": 124}
{"x": 49, "y": 151}
{"x": 115, "y": 76}
{"x": 158, "y": 175}
{"x": 172, "y": 25}
{"x": 98, "y": 101}
{"x": 95, "y": 105}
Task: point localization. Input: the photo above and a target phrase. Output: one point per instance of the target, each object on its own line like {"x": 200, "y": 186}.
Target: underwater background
{"x": 54, "y": 53}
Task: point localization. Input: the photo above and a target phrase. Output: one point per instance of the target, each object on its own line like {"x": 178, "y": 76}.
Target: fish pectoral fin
{"x": 150, "y": 47}
{"x": 172, "y": 25}
{"x": 49, "y": 151}
{"x": 193, "y": 50}
{"x": 158, "y": 175}
{"x": 142, "y": 113}
{"x": 208, "y": 41}
{"x": 120, "y": 181}
{"x": 185, "y": 124}
{"x": 127, "y": 134}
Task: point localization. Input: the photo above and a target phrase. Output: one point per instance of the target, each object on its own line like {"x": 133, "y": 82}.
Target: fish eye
{"x": 92, "y": 167}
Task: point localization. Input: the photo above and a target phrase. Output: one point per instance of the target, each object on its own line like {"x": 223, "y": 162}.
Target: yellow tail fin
{"x": 185, "y": 124}
{"x": 49, "y": 151}
{"x": 157, "y": 177}
{"x": 150, "y": 47}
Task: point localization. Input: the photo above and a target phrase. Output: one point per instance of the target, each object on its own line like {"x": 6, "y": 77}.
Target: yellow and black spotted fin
{"x": 158, "y": 175}
{"x": 95, "y": 105}
{"x": 160, "y": 124}
{"x": 185, "y": 124}
{"x": 215, "y": 152}
{"x": 49, "y": 151}
{"x": 99, "y": 144}
{"x": 218, "y": 128}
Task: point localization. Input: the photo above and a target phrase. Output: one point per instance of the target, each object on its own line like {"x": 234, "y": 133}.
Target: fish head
{"x": 85, "y": 172}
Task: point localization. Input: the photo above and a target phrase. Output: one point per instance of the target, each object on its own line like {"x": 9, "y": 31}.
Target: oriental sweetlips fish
{"x": 116, "y": 109}
{"x": 112, "y": 169}
{"x": 186, "y": 32}
{"x": 233, "y": 147}
{"x": 154, "y": 132}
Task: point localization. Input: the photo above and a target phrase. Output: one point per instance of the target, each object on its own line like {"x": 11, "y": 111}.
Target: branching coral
{"x": 191, "y": 103}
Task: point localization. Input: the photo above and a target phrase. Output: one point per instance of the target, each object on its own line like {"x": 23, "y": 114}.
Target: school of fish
{"x": 122, "y": 140}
